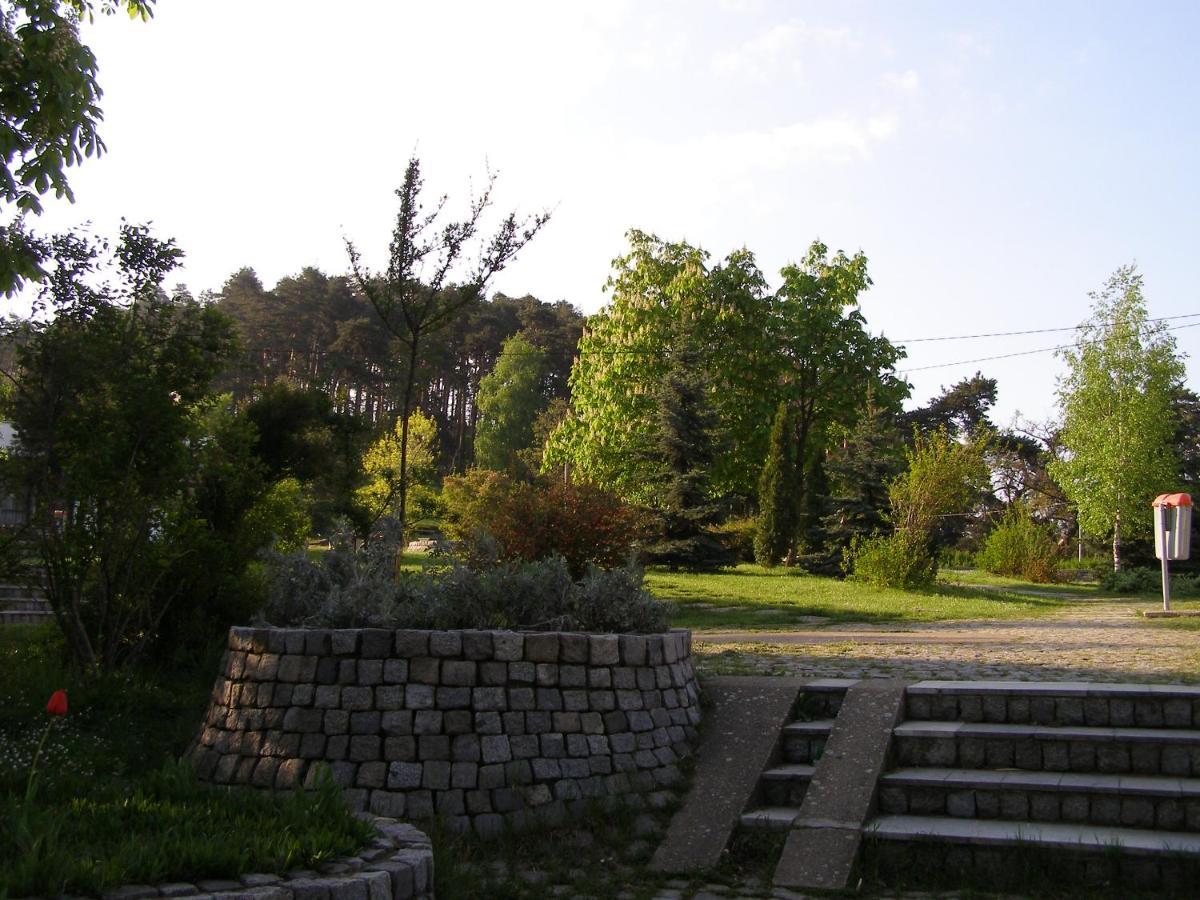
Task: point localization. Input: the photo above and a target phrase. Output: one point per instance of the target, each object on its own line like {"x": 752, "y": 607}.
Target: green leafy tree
{"x": 625, "y": 353}
{"x": 510, "y": 399}
{"x": 108, "y": 406}
{"x": 434, "y": 274}
{"x": 49, "y": 114}
{"x": 1119, "y": 423}
{"x": 778, "y": 515}
{"x": 380, "y": 496}
{"x": 830, "y": 361}
{"x": 862, "y": 465}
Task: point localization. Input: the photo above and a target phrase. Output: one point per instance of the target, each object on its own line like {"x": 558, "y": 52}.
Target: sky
{"x": 995, "y": 162}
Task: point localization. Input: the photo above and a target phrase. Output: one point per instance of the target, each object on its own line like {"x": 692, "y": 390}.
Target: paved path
{"x": 1092, "y": 641}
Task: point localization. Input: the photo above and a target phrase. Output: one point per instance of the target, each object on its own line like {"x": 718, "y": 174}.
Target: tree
{"x": 428, "y": 284}
{"x": 830, "y": 360}
{"x": 510, "y": 398}
{"x": 685, "y": 454}
{"x": 625, "y": 353}
{"x": 862, "y": 466}
{"x": 380, "y": 496}
{"x": 1118, "y": 420}
{"x": 778, "y": 514}
{"x": 49, "y": 114}
{"x": 128, "y": 480}
{"x": 944, "y": 478}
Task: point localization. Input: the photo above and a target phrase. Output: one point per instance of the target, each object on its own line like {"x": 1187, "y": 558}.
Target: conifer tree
{"x": 778, "y": 512}
{"x": 861, "y": 468}
{"x": 685, "y": 451}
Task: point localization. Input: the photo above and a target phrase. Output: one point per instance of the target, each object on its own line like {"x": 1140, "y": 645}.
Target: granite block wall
{"x": 483, "y": 728}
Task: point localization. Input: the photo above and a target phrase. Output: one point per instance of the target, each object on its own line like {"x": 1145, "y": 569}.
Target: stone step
{"x": 804, "y": 742}
{"x": 1137, "y": 801}
{"x": 24, "y": 605}
{"x": 1024, "y": 855}
{"x": 822, "y": 697}
{"x": 770, "y": 818}
{"x": 785, "y": 785}
{"x": 8, "y": 617}
{"x": 1056, "y": 703}
{"x": 1110, "y": 750}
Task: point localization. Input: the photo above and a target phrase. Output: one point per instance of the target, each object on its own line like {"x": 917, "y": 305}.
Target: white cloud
{"x": 906, "y": 82}
{"x": 777, "y": 49}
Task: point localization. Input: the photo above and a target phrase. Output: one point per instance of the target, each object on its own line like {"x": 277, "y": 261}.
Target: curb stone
{"x": 396, "y": 865}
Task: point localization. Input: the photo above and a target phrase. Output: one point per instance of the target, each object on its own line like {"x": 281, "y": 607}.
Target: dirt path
{"x": 1093, "y": 641}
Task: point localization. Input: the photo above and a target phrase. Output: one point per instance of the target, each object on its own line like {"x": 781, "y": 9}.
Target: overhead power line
{"x": 965, "y": 362}
{"x": 992, "y": 334}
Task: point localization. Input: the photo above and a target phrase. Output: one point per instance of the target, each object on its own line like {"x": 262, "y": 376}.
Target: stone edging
{"x": 396, "y": 865}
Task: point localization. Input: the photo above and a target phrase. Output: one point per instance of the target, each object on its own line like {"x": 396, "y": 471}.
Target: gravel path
{"x": 1092, "y": 641}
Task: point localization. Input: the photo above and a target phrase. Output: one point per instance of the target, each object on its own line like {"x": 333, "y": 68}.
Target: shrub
{"x": 1020, "y": 547}
{"x": 738, "y": 536}
{"x": 581, "y": 523}
{"x": 892, "y": 561}
{"x": 343, "y": 590}
{"x": 1141, "y": 580}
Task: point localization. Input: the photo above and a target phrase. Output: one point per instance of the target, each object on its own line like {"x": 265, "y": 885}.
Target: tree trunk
{"x": 1116, "y": 545}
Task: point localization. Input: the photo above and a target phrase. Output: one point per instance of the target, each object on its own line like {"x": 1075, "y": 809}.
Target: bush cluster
{"x": 1148, "y": 581}
{"x": 892, "y": 561}
{"x": 1020, "y": 547}
{"x": 578, "y": 522}
{"x": 344, "y": 590}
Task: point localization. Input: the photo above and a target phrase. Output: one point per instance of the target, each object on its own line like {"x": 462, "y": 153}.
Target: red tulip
{"x": 58, "y": 704}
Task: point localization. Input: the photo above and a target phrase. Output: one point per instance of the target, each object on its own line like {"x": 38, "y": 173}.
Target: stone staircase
{"x": 781, "y": 787}
{"x": 1013, "y": 783}
{"x": 21, "y": 605}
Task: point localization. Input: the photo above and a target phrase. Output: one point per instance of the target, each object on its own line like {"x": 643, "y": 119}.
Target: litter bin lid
{"x": 1172, "y": 500}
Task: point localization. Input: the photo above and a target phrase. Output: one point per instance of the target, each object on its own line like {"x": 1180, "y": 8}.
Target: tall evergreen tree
{"x": 861, "y": 469}
{"x": 778, "y": 493}
{"x": 685, "y": 451}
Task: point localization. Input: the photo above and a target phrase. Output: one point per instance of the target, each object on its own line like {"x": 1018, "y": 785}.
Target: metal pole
{"x": 1166, "y": 575}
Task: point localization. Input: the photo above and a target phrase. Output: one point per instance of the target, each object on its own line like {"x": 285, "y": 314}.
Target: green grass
{"x": 750, "y": 597}
{"x": 970, "y": 577}
{"x": 112, "y": 805}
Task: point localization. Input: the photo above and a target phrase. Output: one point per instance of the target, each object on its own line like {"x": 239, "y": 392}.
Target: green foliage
{"x": 944, "y": 478}
{"x": 861, "y": 467}
{"x": 431, "y": 281}
{"x": 280, "y": 516}
{"x": 738, "y": 535}
{"x": 898, "y": 560}
{"x": 509, "y": 401}
{"x": 167, "y": 826}
{"x": 582, "y": 523}
{"x": 626, "y": 353}
{"x": 778, "y": 493}
{"x": 342, "y": 590}
{"x": 685, "y": 451}
{"x": 49, "y": 115}
{"x": 1020, "y": 547}
{"x": 1119, "y": 425}
{"x": 291, "y": 428}
{"x": 380, "y": 496}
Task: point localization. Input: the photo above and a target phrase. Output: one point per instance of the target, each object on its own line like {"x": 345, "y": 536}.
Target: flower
{"x": 58, "y": 704}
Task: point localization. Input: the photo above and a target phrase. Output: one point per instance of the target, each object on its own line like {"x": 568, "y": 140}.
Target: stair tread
{"x": 770, "y": 817}
{"x": 1045, "y": 834}
{"x": 1058, "y": 689}
{"x": 789, "y": 771}
{"x": 941, "y": 729}
{"x": 816, "y": 727}
{"x": 1016, "y": 779}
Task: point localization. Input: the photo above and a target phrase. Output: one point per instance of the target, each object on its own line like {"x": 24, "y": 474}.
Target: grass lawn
{"x": 753, "y": 598}
{"x": 112, "y": 804}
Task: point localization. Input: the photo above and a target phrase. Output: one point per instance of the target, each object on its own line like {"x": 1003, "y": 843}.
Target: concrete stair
{"x": 781, "y": 786}
{"x": 1004, "y": 783}
{"x": 21, "y": 605}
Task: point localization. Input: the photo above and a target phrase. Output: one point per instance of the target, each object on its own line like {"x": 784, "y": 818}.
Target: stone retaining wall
{"x": 479, "y": 727}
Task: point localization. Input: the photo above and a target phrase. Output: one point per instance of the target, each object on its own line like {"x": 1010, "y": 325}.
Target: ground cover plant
{"x": 111, "y": 804}
{"x": 752, "y": 597}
